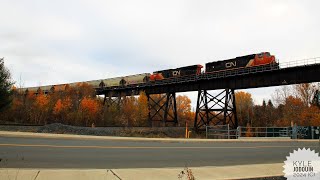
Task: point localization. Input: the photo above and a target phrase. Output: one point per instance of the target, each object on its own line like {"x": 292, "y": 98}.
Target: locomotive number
{"x": 175, "y": 73}
{"x": 231, "y": 64}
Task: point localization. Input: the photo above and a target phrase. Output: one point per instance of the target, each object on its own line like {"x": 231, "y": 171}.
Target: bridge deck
{"x": 254, "y": 77}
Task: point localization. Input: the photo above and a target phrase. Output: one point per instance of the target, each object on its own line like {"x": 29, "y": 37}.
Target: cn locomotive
{"x": 261, "y": 59}
{"x": 178, "y": 72}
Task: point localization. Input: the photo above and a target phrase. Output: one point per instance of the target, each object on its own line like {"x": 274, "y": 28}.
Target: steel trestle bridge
{"x": 213, "y": 109}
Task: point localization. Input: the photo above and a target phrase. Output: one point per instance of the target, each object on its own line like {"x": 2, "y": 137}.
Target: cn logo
{"x": 231, "y": 64}
{"x": 175, "y": 73}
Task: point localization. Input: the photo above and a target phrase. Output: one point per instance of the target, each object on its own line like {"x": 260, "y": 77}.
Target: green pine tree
{"x": 5, "y": 85}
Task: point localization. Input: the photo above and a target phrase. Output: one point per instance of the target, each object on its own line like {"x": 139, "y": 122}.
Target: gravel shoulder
{"x": 57, "y": 128}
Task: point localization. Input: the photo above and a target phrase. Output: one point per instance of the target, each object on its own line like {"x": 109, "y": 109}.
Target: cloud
{"x": 48, "y": 42}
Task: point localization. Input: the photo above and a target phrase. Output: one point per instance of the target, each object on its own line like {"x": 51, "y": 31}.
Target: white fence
{"x": 220, "y": 132}
{"x": 295, "y": 132}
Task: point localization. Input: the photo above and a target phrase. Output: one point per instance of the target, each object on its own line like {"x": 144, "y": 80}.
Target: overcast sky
{"x": 49, "y": 42}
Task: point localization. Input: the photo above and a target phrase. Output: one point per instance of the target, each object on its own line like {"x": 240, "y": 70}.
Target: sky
{"x": 50, "y": 42}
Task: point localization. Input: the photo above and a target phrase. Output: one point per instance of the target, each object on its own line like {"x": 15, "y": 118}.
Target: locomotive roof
{"x": 246, "y": 56}
{"x": 178, "y": 68}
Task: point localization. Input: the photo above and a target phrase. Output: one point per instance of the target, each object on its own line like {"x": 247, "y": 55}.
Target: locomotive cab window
{"x": 267, "y": 54}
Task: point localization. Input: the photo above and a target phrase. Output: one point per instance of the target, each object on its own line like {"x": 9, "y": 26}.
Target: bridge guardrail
{"x": 302, "y": 62}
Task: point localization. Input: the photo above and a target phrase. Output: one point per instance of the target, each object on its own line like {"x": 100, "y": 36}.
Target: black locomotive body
{"x": 182, "y": 71}
{"x": 238, "y": 62}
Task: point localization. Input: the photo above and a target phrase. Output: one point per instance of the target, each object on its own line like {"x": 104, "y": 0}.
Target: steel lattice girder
{"x": 215, "y": 110}
{"x": 163, "y": 108}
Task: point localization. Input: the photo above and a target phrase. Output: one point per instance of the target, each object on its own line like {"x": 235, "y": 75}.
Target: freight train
{"x": 261, "y": 59}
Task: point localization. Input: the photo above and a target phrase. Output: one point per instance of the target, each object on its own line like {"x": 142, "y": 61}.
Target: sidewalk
{"x": 225, "y": 172}
{"x": 72, "y": 136}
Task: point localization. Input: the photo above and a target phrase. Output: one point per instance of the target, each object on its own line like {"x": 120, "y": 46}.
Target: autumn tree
{"x": 61, "y": 109}
{"x": 85, "y": 90}
{"x": 89, "y": 109}
{"x": 129, "y": 111}
{"x": 244, "y": 106}
{"x": 305, "y": 92}
{"x": 184, "y": 110}
{"x": 142, "y": 109}
{"x": 5, "y": 85}
{"x": 309, "y": 116}
{"x": 58, "y": 107}
{"x": 248, "y": 130}
{"x": 291, "y": 110}
{"x": 281, "y": 94}
{"x": 40, "y": 108}
{"x": 316, "y": 98}
{"x": 111, "y": 113}
{"x": 14, "y": 112}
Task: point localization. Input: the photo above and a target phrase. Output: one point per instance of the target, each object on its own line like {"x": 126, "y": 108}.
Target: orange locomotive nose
{"x": 273, "y": 59}
{"x": 263, "y": 59}
{"x": 152, "y": 77}
{"x": 157, "y": 76}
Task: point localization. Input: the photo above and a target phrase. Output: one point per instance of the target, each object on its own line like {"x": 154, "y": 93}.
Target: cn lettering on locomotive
{"x": 176, "y": 73}
{"x": 173, "y": 73}
{"x": 231, "y": 64}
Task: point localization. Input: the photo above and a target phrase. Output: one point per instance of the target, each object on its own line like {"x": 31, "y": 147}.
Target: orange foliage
{"x": 57, "y": 107}
{"x": 293, "y": 101}
{"x": 183, "y": 105}
{"x": 310, "y": 116}
{"x": 89, "y": 106}
{"x": 67, "y": 104}
{"x": 42, "y": 101}
{"x": 249, "y": 131}
{"x": 244, "y": 104}
{"x": 129, "y": 110}
{"x": 142, "y": 109}
{"x": 62, "y": 105}
{"x": 184, "y": 110}
{"x": 16, "y": 104}
{"x": 292, "y": 109}
{"x": 85, "y": 90}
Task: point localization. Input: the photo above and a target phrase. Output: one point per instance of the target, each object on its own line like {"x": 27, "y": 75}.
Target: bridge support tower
{"x": 215, "y": 110}
{"x": 162, "y": 109}
{"x": 109, "y": 100}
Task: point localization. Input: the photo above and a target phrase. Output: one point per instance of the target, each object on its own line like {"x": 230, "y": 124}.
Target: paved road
{"x": 17, "y": 152}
